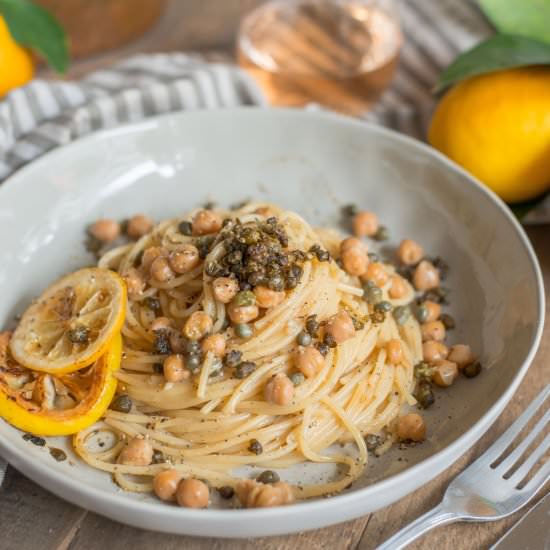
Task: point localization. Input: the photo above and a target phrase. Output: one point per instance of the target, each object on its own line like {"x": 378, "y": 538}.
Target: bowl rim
{"x": 426, "y": 469}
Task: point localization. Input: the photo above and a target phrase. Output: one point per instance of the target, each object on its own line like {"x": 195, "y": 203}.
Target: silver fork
{"x": 488, "y": 490}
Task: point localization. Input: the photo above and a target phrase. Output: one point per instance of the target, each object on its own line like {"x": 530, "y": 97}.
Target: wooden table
{"x": 32, "y": 518}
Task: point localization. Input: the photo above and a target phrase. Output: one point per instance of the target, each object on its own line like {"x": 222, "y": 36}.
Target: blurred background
{"x": 471, "y": 77}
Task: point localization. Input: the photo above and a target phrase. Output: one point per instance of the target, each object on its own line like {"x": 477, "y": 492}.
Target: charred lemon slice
{"x": 72, "y": 324}
{"x": 44, "y": 404}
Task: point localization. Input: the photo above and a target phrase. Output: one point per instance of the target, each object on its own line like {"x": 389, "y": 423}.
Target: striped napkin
{"x": 47, "y": 114}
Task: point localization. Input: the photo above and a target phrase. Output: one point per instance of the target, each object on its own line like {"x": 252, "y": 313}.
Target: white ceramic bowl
{"x": 313, "y": 163}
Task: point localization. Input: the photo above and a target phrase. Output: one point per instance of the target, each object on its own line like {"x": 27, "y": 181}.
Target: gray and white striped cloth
{"x": 46, "y": 114}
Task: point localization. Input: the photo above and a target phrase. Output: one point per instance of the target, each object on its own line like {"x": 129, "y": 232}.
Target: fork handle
{"x": 433, "y": 518}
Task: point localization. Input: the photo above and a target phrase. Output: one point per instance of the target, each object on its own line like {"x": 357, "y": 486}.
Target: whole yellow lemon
{"x": 16, "y": 66}
{"x": 497, "y": 126}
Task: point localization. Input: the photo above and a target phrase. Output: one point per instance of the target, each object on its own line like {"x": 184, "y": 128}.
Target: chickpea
{"x": 242, "y": 314}
{"x": 174, "y": 369}
{"x": 434, "y": 330}
{"x": 376, "y": 272}
{"x": 225, "y": 289}
{"x": 266, "y": 298}
{"x": 279, "y": 390}
{"x": 398, "y": 287}
{"x": 150, "y": 255}
{"x": 161, "y": 323}
{"x": 308, "y": 360}
{"x": 165, "y": 484}
{"x": 352, "y": 242}
{"x": 252, "y": 494}
{"x": 354, "y": 260}
{"x": 138, "y": 226}
{"x": 134, "y": 283}
{"x": 197, "y": 326}
{"x": 206, "y": 222}
{"x": 433, "y": 351}
{"x": 138, "y": 452}
{"x": 410, "y": 252}
{"x": 161, "y": 271}
{"x": 426, "y": 276}
{"x": 105, "y": 230}
{"x": 411, "y": 426}
{"x": 462, "y": 355}
{"x": 365, "y": 224}
{"x": 394, "y": 351}
{"x": 184, "y": 258}
{"x": 434, "y": 310}
{"x": 445, "y": 373}
{"x": 215, "y": 344}
{"x": 192, "y": 493}
{"x": 340, "y": 327}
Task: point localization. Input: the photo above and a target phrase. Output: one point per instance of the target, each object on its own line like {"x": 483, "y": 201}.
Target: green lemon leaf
{"x": 530, "y": 18}
{"x": 32, "y": 26}
{"x": 502, "y": 51}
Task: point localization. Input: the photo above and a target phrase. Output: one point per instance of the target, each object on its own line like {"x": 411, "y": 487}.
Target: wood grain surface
{"x": 34, "y": 519}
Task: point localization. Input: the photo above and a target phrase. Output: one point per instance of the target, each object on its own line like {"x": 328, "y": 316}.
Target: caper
{"x": 122, "y": 403}
{"x": 401, "y": 314}
{"x": 303, "y": 338}
{"x": 226, "y": 492}
{"x": 234, "y": 257}
{"x": 152, "y": 303}
{"x": 448, "y": 321}
{"x": 185, "y": 228}
{"x": 323, "y": 348}
{"x": 383, "y": 306}
{"x": 276, "y": 282}
{"x": 424, "y": 395}
{"x": 232, "y": 358}
{"x": 312, "y": 325}
{"x": 193, "y": 362}
{"x": 472, "y": 370}
{"x": 161, "y": 343}
{"x": 255, "y": 447}
{"x": 244, "y": 369}
{"x": 79, "y": 335}
{"x": 256, "y": 278}
{"x": 349, "y": 210}
{"x": 321, "y": 254}
{"x": 423, "y": 371}
{"x": 268, "y": 476}
{"x": 192, "y": 346}
{"x": 58, "y": 454}
{"x": 297, "y": 378}
{"x": 158, "y": 457}
{"x": 373, "y": 294}
{"x": 382, "y": 234}
{"x": 34, "y": 439}
{"x": 422, "y": 314}
{"x": 244, "y": 330}
{"x": 329, "y": 340}
{"x": 377, "y": 316}
{"x": 245, "y": 298}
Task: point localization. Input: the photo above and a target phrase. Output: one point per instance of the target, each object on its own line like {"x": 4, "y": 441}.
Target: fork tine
{"x": 539, "y": 479}
{"x": 525, "y": 468}
{"x": 500, "y": 445}
{"x": 511, "y": 459}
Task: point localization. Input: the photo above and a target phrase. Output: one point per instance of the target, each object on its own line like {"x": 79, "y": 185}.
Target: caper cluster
{"x": 256, "y": 255}
{"x": 241, "y": 369}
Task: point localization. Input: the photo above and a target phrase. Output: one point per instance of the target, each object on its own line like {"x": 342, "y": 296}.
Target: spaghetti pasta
{"x": 203, "y": 425}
